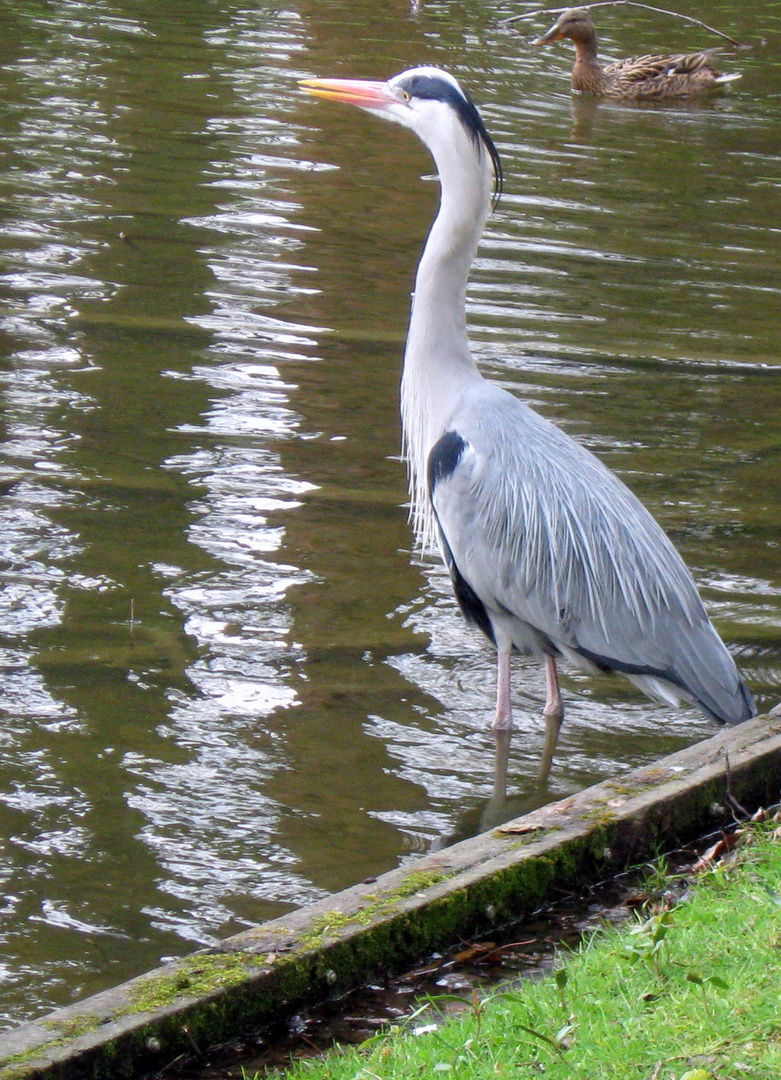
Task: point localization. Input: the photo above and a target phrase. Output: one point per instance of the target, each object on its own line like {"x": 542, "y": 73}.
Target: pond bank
{"x": 684, "y": 989}
{"x": 254, "y": 977}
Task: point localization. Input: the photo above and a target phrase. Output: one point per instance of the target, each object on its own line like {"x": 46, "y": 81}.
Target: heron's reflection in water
{"x": 501, "y": 807}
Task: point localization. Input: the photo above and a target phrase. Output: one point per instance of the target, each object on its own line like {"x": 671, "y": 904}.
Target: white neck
{"x": 438, "y": 364}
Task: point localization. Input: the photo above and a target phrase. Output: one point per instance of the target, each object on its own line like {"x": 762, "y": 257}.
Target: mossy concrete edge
{"x": 255, "y": 977}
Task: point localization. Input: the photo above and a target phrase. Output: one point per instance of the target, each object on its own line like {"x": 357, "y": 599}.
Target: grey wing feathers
{"x": 550, "y": 535}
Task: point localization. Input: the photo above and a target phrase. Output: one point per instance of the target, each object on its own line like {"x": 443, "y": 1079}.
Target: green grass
{"x": 693, "y": 992}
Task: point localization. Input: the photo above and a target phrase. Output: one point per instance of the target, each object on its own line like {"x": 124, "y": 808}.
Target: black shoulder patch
{"x": 472, "y": 607}
{"x": 444, "y": 457}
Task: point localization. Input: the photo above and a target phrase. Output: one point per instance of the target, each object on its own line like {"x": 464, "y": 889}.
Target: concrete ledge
{"x": 329, "y": 947}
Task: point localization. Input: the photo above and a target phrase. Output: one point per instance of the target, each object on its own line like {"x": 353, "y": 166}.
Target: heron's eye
{"x": 405, "y": 96}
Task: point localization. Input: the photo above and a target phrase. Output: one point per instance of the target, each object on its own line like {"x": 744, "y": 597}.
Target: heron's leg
{"x": 503, "y": 723}
{"x": 554, "y": 715}
{"x": 504, "y": 713}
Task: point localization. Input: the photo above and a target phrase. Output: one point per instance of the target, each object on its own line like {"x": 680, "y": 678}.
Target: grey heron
{"x": 550, "y": 554}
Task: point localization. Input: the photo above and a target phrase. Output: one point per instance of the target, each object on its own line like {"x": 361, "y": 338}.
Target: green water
{"x": 228, "y": 686}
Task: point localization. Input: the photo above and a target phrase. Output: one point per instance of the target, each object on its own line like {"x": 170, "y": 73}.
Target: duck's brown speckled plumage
{"x": 639, "y": 77}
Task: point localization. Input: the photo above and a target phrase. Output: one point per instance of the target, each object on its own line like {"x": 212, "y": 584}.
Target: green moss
{"x": 622, "y": 788}
{"x": 333, "y": 921}
{"x": 20, "y": 1064}
{"x": 196, "y": 976}
{"x": 600, "y": 815}
{"x": 63, "y": 1031}
{"x": 330, "y": 922}
{"x": 77, "y": 1025}
{"x": 415, "y": 882}
{"x": 523, "y": 839}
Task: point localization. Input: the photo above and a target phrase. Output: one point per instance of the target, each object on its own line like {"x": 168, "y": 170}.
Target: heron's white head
{"x": 429, "y": 102}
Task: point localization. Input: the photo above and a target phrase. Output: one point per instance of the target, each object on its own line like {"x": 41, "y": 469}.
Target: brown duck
{"x": 639, "y": 77}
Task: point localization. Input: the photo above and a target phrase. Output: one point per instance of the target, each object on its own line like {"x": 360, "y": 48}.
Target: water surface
{"x": 229, "y": 686}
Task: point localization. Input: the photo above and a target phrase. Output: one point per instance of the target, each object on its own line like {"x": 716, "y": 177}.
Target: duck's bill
{"x": 546, "y": 39}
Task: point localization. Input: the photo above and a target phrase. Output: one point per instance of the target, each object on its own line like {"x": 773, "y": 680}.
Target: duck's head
{"x": 574, "y": 23}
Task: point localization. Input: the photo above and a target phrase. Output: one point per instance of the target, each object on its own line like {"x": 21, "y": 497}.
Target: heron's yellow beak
{"x": 360, "y": 92}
